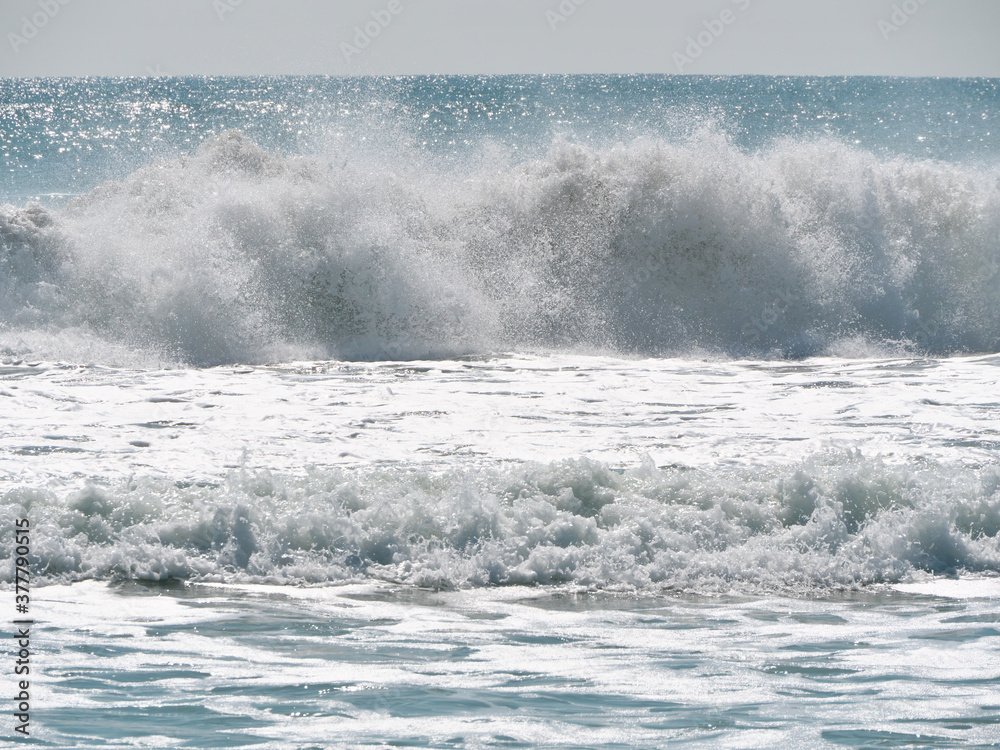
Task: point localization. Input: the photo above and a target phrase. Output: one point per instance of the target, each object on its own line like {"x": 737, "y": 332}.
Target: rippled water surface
{"x": 372, "y": 666}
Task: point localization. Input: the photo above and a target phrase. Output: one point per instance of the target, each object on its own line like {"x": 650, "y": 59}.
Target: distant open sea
{"x": 503, "y": 412}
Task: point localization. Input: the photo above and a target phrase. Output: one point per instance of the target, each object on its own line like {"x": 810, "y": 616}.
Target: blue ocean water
{"x": 65, "y": 136}
{"x": 589, "y": 411}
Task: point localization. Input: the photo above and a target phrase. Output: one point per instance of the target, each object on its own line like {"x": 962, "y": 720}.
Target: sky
{"x": 404, "y": 37}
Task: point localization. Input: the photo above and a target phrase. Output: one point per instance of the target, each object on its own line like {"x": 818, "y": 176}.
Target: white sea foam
{"x": 653, "y": 247}
{"x": 831, "y": 522}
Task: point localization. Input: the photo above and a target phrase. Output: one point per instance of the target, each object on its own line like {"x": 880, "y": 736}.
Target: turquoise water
{"x": 380, "y": 666}
{"x": 65, "y": 136}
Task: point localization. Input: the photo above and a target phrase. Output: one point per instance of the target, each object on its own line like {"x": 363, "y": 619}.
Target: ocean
{"x": 498, "y": 412}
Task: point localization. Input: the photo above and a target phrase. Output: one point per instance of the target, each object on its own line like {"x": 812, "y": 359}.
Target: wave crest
{"x": 831, "y": 522}
{"x": 652, "y": 247}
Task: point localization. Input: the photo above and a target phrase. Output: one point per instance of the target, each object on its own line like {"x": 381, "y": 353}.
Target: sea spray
{"x": 651, "y": 247}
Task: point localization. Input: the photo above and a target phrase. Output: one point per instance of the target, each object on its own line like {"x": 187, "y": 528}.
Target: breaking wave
{"x": 235, "y": 254}
{"x": 839, "y": 521}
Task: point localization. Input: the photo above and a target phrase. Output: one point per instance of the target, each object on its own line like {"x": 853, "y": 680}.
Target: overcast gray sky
{"x": 338, "y": 37}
